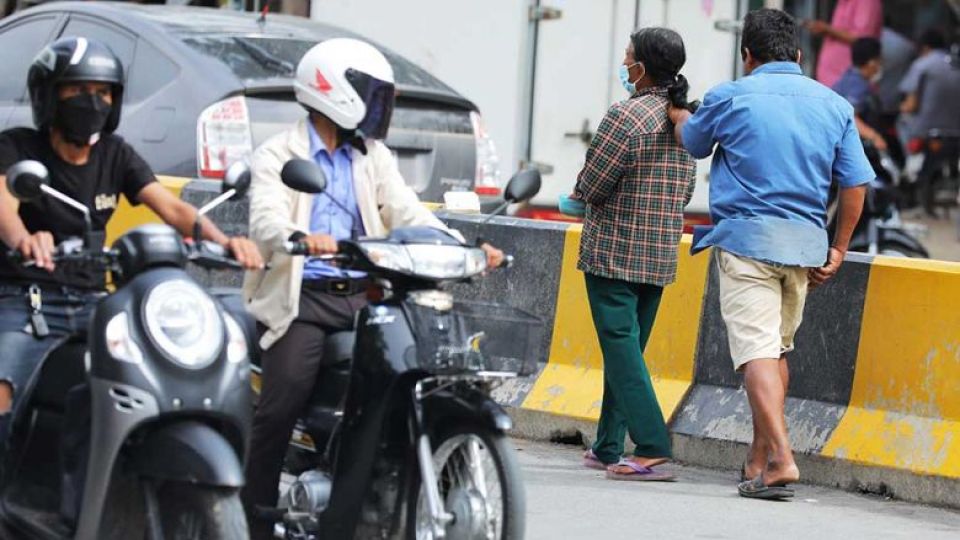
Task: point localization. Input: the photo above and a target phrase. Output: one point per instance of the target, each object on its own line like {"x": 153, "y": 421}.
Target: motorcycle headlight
{"x": 429, "y": 261}
{"x": 184, "y": 323}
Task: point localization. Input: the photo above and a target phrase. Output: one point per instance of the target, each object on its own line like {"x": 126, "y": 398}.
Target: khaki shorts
{"x": 762, "y": 306}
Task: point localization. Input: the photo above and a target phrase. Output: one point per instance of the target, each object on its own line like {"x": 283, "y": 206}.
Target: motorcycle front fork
{"x": 439, "y": 517}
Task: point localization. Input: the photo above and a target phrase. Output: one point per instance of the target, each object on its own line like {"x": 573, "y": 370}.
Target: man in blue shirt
{"x": 779, "y": 139}
{"x": 858, "y": 86}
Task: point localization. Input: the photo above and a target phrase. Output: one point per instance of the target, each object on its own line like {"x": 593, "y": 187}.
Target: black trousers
{"x": 290, "y": 369}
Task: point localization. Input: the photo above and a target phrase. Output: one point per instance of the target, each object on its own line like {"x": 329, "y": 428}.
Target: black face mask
{"x": 81, "y": 118}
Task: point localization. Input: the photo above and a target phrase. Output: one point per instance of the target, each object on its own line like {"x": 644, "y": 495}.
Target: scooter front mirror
{"x": 237, "y": 178}
{"x": 303, "y": 175}
{"x": 523, "y": 186}
{"x": 25, "y": 180}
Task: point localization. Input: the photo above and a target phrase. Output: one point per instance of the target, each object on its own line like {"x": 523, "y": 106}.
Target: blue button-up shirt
{"x": 780, "y": 139}
{"x": 325, "y": 216}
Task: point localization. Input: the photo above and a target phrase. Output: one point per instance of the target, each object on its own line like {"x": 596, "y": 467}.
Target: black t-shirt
{"x": 114, "y": 168}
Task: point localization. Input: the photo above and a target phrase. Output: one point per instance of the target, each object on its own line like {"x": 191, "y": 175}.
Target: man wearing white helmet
{"x": 347, "y": 87}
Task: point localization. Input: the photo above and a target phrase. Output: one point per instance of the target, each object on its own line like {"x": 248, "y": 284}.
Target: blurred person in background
{"x": 898, "y": 53}
{"x": 859, "y": 86}
{"x": 930, "y": 123}
{"x": 852, "y": 19}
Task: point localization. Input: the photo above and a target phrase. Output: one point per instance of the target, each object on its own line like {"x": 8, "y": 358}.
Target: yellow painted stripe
{"x": 128, "y": 216}
{"x": 905, "y": 405}
{"x": 572, "y": 382}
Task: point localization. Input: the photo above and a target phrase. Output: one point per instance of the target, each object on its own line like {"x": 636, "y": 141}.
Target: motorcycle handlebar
{"x": 301, "y": 248}
{"x": 81, "y": 256}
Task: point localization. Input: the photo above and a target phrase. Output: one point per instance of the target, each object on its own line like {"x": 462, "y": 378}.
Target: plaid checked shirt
{"x": 636, "y": 182}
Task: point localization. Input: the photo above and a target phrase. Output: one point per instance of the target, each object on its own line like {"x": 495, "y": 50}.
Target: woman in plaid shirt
{"x": 635, "y": 184}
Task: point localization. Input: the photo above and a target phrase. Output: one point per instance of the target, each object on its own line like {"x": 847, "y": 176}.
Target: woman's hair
{"x": 662, "y": 53}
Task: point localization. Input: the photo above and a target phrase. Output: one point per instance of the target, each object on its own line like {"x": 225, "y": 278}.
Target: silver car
{"x": 205, "y": 86}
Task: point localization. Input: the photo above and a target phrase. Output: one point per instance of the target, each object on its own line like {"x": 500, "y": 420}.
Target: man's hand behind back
{"x": 819, "y": 276}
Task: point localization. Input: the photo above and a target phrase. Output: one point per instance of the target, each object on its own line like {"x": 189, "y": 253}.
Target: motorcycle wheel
{"x": 192, "y": 512}
{"x": 480, "y": 484}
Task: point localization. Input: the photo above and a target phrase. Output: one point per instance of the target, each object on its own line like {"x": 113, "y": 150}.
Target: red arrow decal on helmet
{"x": 322, "y": 84}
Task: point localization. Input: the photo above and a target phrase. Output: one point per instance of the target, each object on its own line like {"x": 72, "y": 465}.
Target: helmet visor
{"x": 378, "y": 97}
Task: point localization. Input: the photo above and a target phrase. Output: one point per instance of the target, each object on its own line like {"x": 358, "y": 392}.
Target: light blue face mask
{"x": 624, "y": 73}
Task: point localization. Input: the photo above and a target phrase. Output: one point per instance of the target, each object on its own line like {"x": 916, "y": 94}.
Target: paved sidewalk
{"x": 566, "y": 501}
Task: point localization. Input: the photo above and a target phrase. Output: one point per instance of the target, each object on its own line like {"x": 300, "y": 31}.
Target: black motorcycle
{"x": 168, "y": 373}
{"x": 401, "y": 438}
{"x": 880, "y": 230}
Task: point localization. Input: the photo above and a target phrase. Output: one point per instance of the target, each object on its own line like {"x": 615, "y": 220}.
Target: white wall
{"x": 481, "y": 48}
{"x": 476, "y": 46}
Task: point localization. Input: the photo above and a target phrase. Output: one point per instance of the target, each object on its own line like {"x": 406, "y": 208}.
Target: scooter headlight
{"x": 184, "y": 323}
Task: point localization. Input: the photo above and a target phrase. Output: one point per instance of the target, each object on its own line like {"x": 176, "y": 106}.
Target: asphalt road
{"x": 566, "y": 501}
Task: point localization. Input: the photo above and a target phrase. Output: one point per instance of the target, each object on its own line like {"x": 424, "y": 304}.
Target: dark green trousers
{"x": 623, "y": 314}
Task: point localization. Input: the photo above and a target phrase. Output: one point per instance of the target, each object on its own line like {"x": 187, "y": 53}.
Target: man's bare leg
{"x": 759, "y": 448}
{"x": 766, "y": 390}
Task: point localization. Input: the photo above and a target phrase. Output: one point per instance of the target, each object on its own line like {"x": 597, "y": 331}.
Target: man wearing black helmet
{"x": 76, "y": 90}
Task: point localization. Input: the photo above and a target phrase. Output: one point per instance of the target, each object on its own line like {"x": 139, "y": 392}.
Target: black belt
{"x": 337, "y": 286}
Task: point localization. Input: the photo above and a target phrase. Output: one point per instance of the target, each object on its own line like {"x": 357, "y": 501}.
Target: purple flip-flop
{"x": 638, "y": 473}
{"x": 591, "y": 461}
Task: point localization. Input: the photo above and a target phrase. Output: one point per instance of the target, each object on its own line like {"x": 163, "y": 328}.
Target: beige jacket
{"x": 276, "y": 212}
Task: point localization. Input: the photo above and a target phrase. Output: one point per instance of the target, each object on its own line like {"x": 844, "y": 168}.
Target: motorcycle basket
{"x": 475, "y": 337}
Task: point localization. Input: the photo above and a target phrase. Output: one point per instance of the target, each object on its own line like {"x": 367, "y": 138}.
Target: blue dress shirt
{"x": 325, "y": 216}
{"x": 780, "y": 138}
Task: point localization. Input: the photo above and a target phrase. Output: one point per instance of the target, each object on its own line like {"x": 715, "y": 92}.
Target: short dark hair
{"x": 864, "y": 50}
{"x": 933, "y": 38}
{"x": 771, "y": 35}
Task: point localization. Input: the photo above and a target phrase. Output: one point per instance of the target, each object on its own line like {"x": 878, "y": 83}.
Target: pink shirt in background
{"x": 863, "y": 18}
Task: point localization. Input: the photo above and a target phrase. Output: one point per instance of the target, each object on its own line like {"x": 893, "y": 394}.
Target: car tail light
{"x": 223, "y": 136}
{"x": 487, "y": 182}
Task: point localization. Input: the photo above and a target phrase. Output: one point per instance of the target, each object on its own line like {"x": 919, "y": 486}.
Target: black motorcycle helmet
{"x": 72, "y": 59}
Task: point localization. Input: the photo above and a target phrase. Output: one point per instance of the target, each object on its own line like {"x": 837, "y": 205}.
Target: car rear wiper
{"x": 265, "y": 58}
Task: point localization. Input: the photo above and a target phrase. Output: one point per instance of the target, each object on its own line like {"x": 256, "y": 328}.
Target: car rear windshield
{"x": 254, "y": 57}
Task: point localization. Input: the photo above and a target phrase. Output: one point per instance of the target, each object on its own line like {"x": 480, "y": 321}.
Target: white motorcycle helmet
{"x": 350, "y": 82}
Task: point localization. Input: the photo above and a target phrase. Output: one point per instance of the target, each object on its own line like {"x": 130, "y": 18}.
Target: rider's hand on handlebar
{"x": 320, "y": 244}
{"x": 245, "y": 252}
{"x": 494, "y": 256}
{"x": 38, "y": 247}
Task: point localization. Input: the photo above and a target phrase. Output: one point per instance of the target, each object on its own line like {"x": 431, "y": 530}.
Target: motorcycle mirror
{"x": 237, "y": 180}
{"x": 25, "y": 180}
{"x": 523, "y": 186}
{"x": 303, "y": 175}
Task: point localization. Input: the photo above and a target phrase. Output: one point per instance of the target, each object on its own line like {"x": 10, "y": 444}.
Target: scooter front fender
{"x": 465, "y": 405}
{"x": 189, "y": 451}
